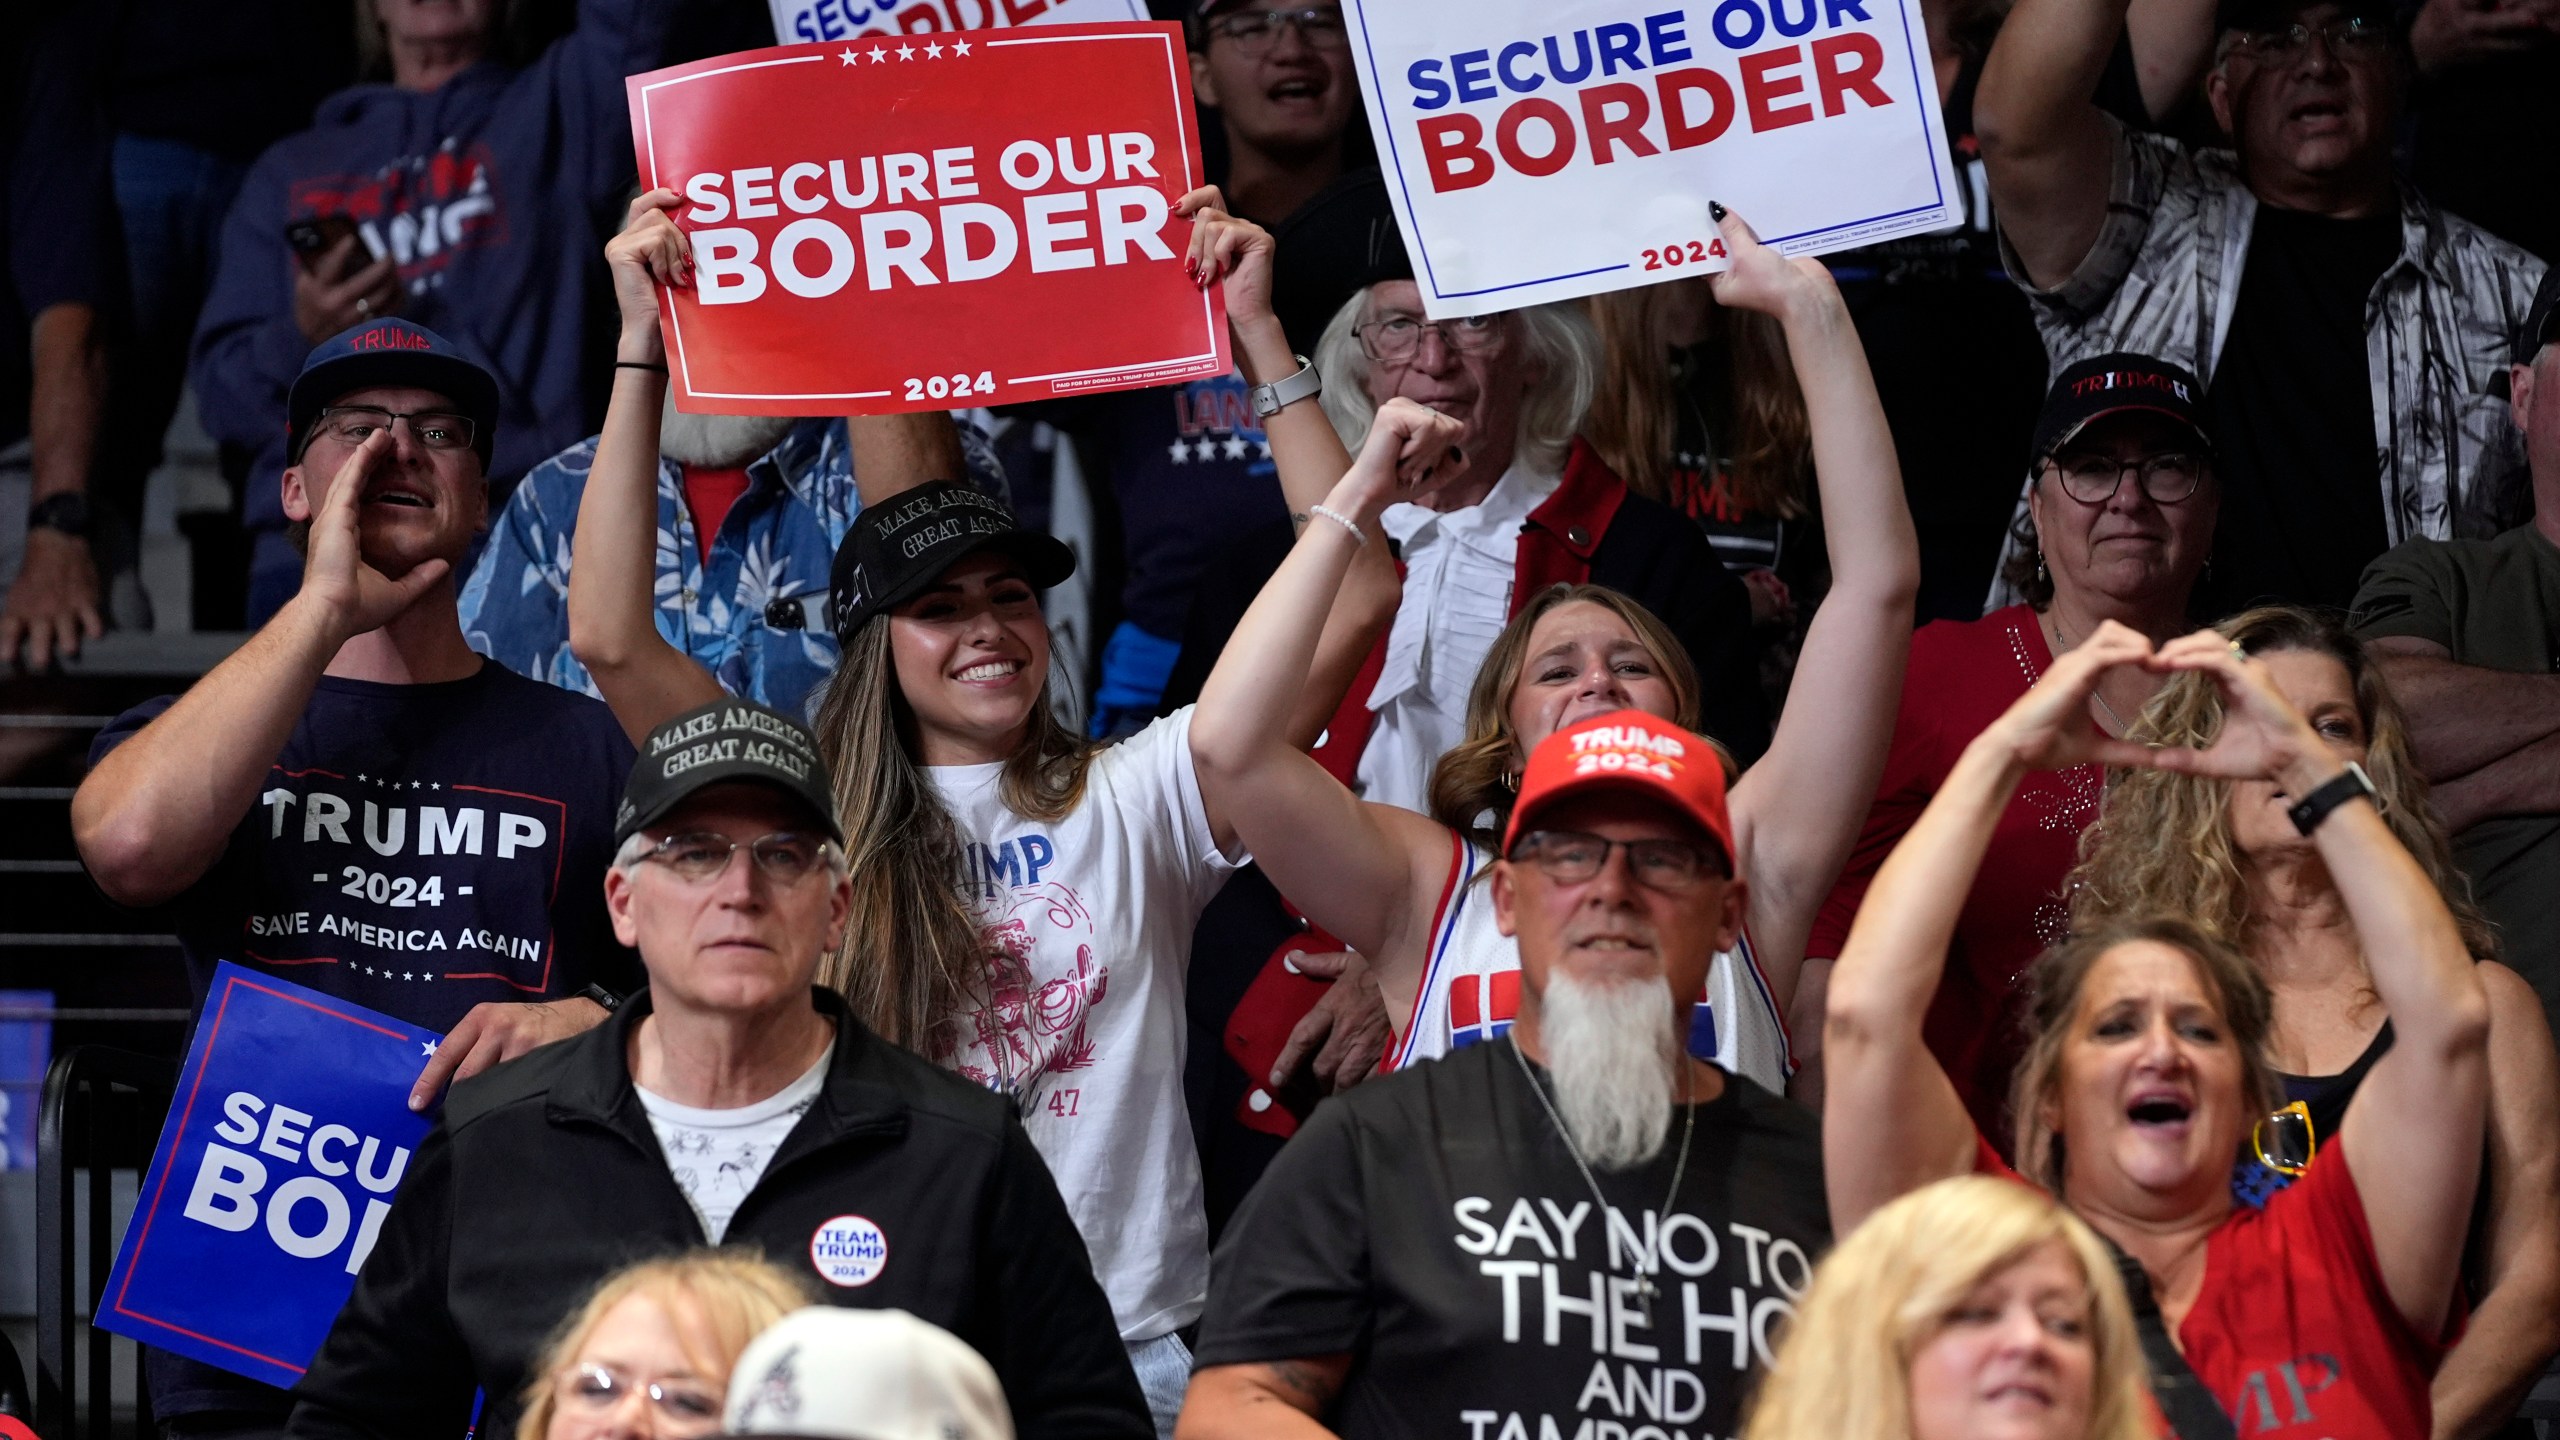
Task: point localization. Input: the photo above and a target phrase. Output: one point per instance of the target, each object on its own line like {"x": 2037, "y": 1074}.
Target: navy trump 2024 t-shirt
{"x": 419, "y": 850}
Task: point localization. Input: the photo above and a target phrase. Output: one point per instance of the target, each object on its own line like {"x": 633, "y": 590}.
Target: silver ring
{"x": 364, "y": 305}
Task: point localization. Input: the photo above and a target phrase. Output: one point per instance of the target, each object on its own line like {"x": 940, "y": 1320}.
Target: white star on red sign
{"x": 906, "y": 52}
{"x": 847, "y": 56}
{"x": 879, "y": 56}
{"x": 959, "y": 47}
{"x": 933, "y": 52}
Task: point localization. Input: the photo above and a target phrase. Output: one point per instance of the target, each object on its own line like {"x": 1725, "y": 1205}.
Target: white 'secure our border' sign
{"x": 1542, "y": 151}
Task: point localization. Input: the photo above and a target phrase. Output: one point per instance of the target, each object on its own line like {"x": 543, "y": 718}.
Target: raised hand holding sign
{"x": 916, "y": 223}
{"x": 1542, "y": 151}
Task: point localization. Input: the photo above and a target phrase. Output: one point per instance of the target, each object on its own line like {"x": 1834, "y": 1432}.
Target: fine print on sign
{"x": 290, "y": 1134}
{"x": 926, "y": 222}
{"x": 822, "y": 20}
{"x": 1541, "y": 151}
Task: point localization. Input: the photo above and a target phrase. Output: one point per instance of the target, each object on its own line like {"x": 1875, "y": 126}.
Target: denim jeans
{"x": 1164, "y": 1372}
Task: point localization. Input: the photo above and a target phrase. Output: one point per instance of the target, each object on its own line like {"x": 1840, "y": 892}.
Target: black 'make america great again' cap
{"x": 726, "y": 740}
{"x": 903, "y": 544}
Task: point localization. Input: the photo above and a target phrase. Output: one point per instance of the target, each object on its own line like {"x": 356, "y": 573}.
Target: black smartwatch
{"x": 2351, "y": 784}
{"x": 606, "y": 998}
{"x": 66, "y": 514}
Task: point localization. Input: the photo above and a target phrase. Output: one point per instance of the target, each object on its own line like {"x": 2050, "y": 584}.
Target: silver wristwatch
{"x": 1269, "y": 400}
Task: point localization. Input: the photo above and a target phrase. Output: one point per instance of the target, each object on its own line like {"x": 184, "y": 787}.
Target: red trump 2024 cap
{"x": 1629, "y": 751}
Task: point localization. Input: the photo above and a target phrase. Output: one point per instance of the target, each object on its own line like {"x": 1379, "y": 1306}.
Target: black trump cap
{"x": 2115, "y": 384}
{"x": 903, "y": 544}
{"x": 726, "y": 740}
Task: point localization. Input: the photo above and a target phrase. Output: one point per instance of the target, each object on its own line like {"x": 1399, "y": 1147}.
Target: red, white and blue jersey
{"x": 1470, "y": 988}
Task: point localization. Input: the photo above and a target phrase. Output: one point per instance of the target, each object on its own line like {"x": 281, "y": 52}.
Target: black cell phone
{"x": 314, "y": 237}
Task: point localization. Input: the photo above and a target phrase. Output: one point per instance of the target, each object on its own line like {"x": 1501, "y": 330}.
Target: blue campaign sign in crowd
{"x": 291, "y": 1135}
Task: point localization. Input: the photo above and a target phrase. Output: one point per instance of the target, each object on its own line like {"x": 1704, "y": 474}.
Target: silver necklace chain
{"x": 2061, "y": 644}
{"x": 1645, "y": 1288}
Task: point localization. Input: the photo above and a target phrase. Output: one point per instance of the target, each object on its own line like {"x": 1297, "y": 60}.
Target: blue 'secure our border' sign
{"x": 290, "y": 1133}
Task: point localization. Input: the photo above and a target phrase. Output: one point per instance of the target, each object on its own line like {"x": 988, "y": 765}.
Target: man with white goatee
{"x": 1577, "y": 1222}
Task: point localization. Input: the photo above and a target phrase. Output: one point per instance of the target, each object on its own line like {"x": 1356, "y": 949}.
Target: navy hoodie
{"x": 495, "y": 191}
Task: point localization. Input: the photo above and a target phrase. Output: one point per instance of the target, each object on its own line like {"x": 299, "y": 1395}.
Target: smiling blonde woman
{"x": 1972, "y": 1309}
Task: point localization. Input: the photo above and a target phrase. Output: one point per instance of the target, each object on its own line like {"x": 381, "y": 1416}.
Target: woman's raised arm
{"x": 1354, "y": 868}
{"x": 613, "y": 567}
{"x": 1237, "y": 256}
{"x": 1891, "y": 1119}
{"x": 1797, "y": 812}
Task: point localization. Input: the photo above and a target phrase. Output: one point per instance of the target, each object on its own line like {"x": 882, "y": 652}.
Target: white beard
{"x": 723, "y": 442}
{"x": 1613, "y": 1049}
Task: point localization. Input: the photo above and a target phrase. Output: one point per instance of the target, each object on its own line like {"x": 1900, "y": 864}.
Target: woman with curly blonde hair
{"x": 1971, "y": 1309}
{"x": 2227, "y": 857}
{"x": 649, "y": 1353}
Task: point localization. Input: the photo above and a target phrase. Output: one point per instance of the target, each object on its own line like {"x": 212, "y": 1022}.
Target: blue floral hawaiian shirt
{"x": 754, "y": 614}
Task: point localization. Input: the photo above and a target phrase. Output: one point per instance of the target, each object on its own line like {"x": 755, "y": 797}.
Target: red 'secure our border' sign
{"x": 931, "y": 222}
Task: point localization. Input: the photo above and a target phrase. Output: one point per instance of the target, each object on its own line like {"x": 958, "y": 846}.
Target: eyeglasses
{"x": 593, "y": 1389}
{"x": 1395, "y": 338}
{"x": 433, "y": 429}
{"x": 2284, "y": 1141}
{"x": 1254, "y": 32}
{"x": 1570, "y": 857}
{"x": 2354, "y": 36}
{"x": 2094, "y": 479}
{"x": 785, "y": 858}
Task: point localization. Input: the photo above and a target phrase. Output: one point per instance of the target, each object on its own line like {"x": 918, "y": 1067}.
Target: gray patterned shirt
{"x": 2163, "y": 276}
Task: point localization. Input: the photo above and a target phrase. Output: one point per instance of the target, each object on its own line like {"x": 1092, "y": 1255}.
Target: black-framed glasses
{"x": 1570, "y": 857}
{"x": 697, "y": 856}
{"x": 1395, "y": 338}
{"x": 1254, "y": 32}
{"x": 433, "y": 429}
{"x": 2353, "y": 35}
{"x": 2094, "y": 479}
{"x": 686, "y": 1409}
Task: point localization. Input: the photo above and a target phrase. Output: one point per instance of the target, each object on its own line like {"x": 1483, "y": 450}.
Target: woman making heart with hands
{"x": 2146, "y": 1070}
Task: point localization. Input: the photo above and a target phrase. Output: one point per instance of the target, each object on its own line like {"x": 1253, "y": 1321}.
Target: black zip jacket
{"x": 544, "y": 1177}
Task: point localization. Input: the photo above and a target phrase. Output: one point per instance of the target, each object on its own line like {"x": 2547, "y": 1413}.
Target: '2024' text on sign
{"x": 914, "y": 223}
{"x": 1538, "y": 152}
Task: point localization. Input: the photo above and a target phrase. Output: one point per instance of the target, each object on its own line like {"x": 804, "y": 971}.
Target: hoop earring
{"x": 1510, "y": 780}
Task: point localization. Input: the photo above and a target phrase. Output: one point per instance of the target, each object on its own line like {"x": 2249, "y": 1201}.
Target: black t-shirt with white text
{"x": 1433, "y": 1225}
{"x": 2290, "y": 411}
{"x": 421, "y": 849}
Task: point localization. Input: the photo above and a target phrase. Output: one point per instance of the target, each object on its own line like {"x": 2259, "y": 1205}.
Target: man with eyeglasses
{"x": 353, "y": 800}
{"x": 732, "y": 1102}
{"x": 2346, "y": 329}
{"x": 1574, "y": 1224}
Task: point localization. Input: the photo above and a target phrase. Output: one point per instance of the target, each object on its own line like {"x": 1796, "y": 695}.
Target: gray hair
{"x": 1560, "y": 341}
